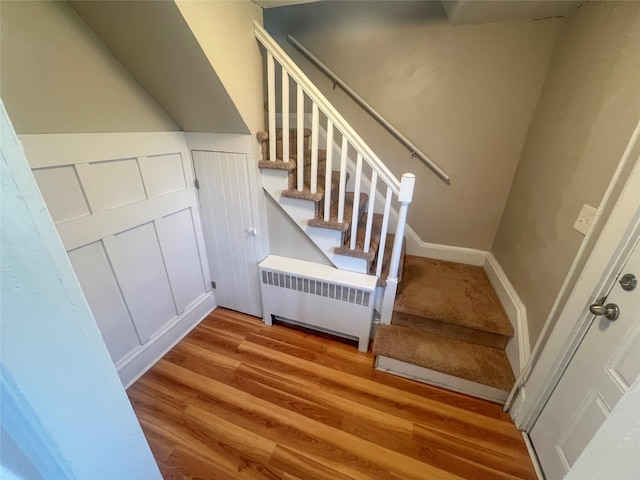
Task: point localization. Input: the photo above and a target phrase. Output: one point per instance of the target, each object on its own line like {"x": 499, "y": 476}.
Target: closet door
{"x": 229, "y": 229}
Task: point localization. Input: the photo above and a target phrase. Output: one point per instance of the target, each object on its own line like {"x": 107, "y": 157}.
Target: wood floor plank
{"x": 348, "y": 382}
{"x": 238, "y": 399}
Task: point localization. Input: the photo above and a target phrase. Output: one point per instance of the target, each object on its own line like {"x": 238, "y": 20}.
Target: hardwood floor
{"x": 238, "y": 399}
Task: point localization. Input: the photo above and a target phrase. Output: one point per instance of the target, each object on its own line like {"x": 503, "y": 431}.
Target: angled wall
{"x": 56, "y": 76}
{"x": 155, "y": 44}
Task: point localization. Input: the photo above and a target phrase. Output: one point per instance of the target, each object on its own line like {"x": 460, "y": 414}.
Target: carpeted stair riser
{"x": 263, "y": 139}
{"x": 332, "y": 223}
{"x": 470, "y": 335}
{"x": 359, "y": 252}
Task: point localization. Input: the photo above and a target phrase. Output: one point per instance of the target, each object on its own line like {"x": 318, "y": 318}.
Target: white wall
{"x": 67, "y": 409}
{"x": 588, "y": 110}
{"x": 56, "y": 76}
{"x": 465, "y": 95}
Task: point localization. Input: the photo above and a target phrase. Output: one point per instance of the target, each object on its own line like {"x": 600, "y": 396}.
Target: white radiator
{"x": 318, "y": 296}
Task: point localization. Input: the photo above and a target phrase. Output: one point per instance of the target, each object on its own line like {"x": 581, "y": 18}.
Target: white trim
{"x": 534, "y": 456}
{"x": 144, "y": 357}
{"x": 220, "y": 142}
{"x": 439, "y": 379}
{"x": 518, "y": 349}
{"x": 468, "y": 256}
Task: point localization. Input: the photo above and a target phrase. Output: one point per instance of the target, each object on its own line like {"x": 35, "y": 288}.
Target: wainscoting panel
{"x": 125, "y": 207}
{"x": 180, "y": 250}
{"x": 102, "y": 291}
{"x": 138, "y": 263}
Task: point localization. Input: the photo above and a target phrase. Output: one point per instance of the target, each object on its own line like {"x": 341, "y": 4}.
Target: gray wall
{"x": 465, "y": 95}
{"x": 588, "y": 109}
{"x": 56, "y": 76}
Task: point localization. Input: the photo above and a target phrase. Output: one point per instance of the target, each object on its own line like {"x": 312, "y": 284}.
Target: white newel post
{"x": 405, "y": 196}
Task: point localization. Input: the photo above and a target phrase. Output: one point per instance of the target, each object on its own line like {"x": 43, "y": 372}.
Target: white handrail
{"x": 415, "y": 151}
{"x": 319, "y": 99}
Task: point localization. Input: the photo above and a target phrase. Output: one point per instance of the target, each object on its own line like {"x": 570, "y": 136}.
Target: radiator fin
{"x": 315, "y": 287}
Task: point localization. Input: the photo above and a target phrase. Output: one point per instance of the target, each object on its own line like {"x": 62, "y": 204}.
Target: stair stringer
{"x": 274, "y": 182}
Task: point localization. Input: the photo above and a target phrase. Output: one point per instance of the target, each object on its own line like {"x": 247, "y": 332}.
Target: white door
{"x": 229, "y": 229}
{"x": 604, "y": 367}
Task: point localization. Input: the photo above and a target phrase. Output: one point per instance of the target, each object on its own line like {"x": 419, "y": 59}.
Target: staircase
{"x": 447, "y": 326}
{"x": 333, "y": 233}
{"x": 444, "y": 323}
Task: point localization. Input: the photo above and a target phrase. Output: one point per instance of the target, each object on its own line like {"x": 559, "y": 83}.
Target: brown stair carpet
{"x": 358, "y": 252}
{"x": 263, "y": 139}
{"x": 477, "y": 363}
{"x": 333, "y": 222}
{"x": 451, "y": 299}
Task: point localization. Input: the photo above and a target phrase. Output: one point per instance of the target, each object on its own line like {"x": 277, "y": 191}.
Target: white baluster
{"x": 406, "y": 194}
{"x": 271, "y": 102}
{"x": 328, "y": 172}
{"x": 314, "y": 148}
{"x": 356, "y": 202}
{"x": 370, "y": 211}
{"x": 300, "y": 131}
{"x": 285, "y": 116}
{"x": 343, "y": 178}
{"x": 383, "y": 232}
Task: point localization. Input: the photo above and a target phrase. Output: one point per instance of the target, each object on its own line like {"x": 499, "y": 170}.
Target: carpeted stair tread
{"x": 451, "y": 293}
{"x": 277, "y": 164}
{"x": 358, "y": 252}
{"x": 477, "y": 363}
{"x": 280, "y": 164}
{"x": 306, "y": 194}
{"x": 333, "y": 223}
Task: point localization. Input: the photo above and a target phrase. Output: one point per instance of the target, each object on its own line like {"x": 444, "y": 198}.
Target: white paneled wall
{"x": 125, "y": 207}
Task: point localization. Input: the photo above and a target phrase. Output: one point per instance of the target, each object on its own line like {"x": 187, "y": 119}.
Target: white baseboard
{"x": 518, "y": 349}
{"x": 468, "y": 256}
{"x": 534, "y": 457}
{"x": 439, "y": 379}
{"x": 145, "y": 356}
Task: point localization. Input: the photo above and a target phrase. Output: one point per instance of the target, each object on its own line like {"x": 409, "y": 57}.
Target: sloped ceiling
{"x": 154, "y": 43}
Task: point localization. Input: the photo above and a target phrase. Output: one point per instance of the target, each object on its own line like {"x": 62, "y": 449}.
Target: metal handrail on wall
{"x": 415, "y": 151}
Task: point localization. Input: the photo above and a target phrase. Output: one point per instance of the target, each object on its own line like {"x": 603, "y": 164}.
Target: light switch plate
{"x": 585, "y": 218}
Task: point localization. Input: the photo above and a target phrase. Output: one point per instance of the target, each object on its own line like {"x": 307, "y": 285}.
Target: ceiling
{"x": 279, "y": 3}
{"x": 478, "y": 11}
